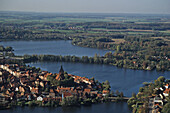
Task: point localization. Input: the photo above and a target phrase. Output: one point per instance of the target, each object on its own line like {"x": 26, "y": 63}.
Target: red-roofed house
{"x": 166, "y": 92}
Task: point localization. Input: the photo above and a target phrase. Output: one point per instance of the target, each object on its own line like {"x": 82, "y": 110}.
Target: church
{"x": 60, "y": 76}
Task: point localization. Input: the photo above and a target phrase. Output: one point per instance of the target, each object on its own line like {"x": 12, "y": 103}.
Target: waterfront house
{"x": 86, "y": 91}
{"x": 39, "y": 98}
{"x": 99, "y": 95}
{"x": 66, "y": 94}
{"x": 3, "y": 102}
{"x": 105, "y": 92}
{"x": 2, "y": 98}
{"x": 51, "y": 93}
{"x": 47, "y": 99}
{"x": 167, "y": 86}
{"x": 16, "y": 89}
{"x": 166, "y": 92}
{"x": 158, "y": 100}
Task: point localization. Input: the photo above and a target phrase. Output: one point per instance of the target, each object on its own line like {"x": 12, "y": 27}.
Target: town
{"x": 25, "y": 85}
{"x": 152, "y": 98}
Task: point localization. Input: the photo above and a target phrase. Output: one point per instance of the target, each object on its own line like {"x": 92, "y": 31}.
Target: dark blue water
{"x": 51, "y": 47}
{"x": 120, "y": 107}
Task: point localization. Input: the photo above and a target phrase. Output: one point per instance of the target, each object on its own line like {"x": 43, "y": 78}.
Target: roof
{"x": 87, "y": 90}
{"x": 167, "y": 85}
{"x": 59, "y": 77}
{"x": 106, "y": 91}
{"x": 167, "y": 91}
{"x": 67, "y": 94}
{"x": 51, "y": 91}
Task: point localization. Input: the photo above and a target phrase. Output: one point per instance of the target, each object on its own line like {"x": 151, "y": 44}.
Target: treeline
{"x": 7, "y": 56}
{"x": 128, "y": 25}
{"x": 59, "y": 58}
{"x": 109, "y": 58}
{"x": 11, "y": 33}
{"x": 5, "y": 49}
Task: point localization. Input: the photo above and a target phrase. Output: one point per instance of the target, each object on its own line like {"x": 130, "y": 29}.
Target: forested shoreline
{"x": 108, "y": 59}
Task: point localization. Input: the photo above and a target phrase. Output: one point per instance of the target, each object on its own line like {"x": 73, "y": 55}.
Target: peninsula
{"x": 24, "y": 85}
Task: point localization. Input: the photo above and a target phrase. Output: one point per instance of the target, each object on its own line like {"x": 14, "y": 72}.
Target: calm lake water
{"x": 60, "y": 47}
{"x": 125, "y": 80}
{"x": 120, "y": 107}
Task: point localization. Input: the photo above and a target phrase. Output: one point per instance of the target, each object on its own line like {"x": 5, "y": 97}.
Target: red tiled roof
{"x": 167, "y": 91}
{"x": 34, "y": 90}
{"x": 105, "y": 91}
{"x": 67, "y": 94}
{"x": 51, "y": 91}
{"x": 87, "y": 90}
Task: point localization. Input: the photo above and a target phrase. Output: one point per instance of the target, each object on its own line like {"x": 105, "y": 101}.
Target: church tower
{"x": 60, "y": 76}
{"x": 61, "y": 70}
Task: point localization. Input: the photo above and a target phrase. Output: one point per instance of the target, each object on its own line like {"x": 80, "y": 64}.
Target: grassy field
{"x": 117, "y": 41}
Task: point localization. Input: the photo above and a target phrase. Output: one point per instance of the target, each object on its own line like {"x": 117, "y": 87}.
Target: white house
{"x": 158, "y": 100}
{"x": 16, "y": 89}
{"x": 166, "y": 92}
{"x": 39, "y": 98}
{"x": 167, "y": 86}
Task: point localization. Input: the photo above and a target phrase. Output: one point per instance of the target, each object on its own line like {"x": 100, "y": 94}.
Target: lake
{"x": 60, "y": 47}
{"x": 125, "y": 80}
{"x": 120, "y": 107}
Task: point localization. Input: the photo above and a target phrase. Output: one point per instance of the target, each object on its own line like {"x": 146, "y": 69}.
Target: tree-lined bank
{"x": 108, "y": 58}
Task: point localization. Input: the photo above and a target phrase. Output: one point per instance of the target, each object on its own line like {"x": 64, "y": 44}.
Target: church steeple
{"x": 60, "y": 76}
{"x": 61, "y": 70}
